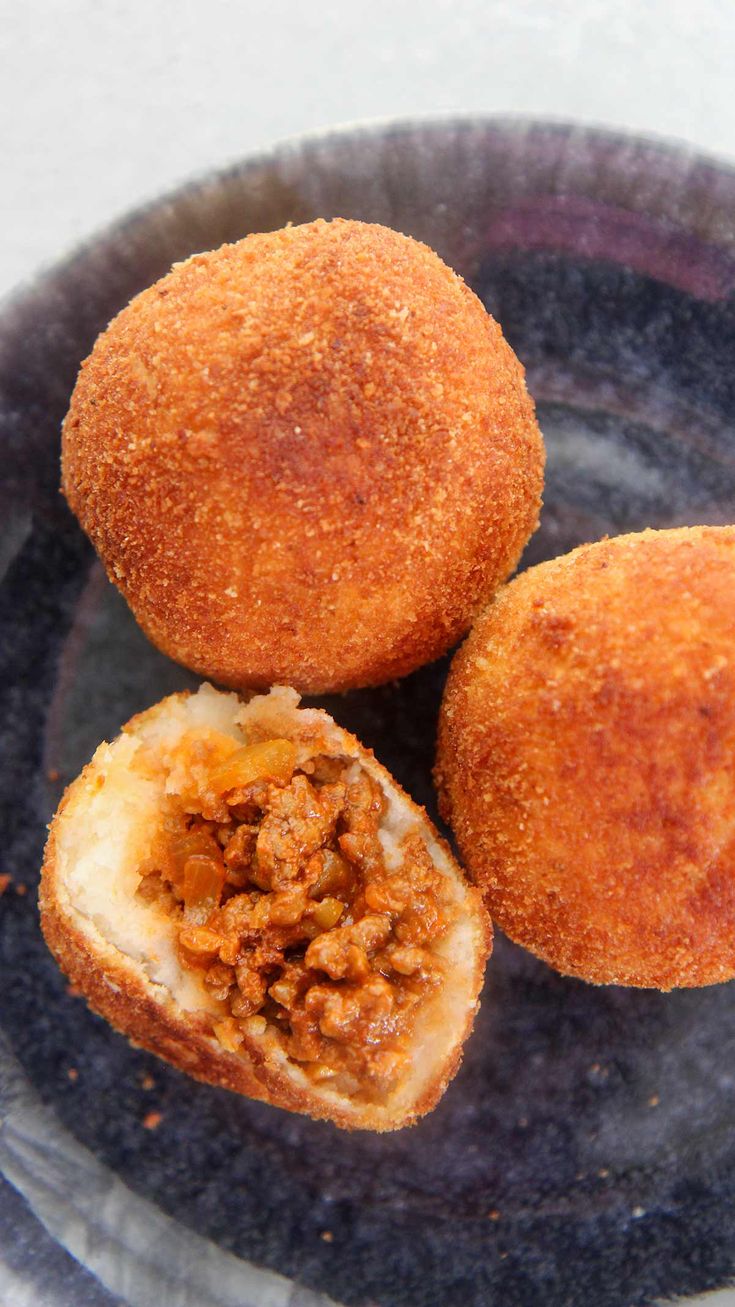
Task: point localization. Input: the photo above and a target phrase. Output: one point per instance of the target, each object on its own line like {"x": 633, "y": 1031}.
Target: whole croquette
{"x": 587, "y": 758}
{"x": 306, "y": 457}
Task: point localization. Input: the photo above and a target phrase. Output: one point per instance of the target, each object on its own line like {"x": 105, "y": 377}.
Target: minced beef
{"x": 283, "y": 899}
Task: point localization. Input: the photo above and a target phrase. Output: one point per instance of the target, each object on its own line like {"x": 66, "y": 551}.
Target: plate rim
{"x": 673, "y": 147}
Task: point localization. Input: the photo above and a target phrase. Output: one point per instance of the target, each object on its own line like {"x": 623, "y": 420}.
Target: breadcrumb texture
{"x": 307, "y": 457}
{"x": 120, "y": 953}
{"x": 587, "y": 758}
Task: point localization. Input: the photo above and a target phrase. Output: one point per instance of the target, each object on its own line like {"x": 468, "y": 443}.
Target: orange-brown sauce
{"x": 278, "y": 884}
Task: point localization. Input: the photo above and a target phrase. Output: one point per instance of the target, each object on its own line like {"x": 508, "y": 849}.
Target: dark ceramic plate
{"x": 585, "y": 1154}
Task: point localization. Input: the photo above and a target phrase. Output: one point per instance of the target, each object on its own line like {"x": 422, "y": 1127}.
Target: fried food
{"x": 245, "y": 891}
{"x": 308, "y": 457}
{"x": 587, "y": 758}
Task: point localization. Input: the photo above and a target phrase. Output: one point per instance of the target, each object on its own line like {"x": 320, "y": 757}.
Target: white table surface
{"x": 104, "y": 104}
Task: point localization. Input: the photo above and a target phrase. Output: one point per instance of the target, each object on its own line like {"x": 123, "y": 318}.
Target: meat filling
{"x": 284, "y": 899}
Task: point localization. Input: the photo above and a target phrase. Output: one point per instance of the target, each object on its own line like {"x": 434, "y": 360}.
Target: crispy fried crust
{"x": 586, "y": 758}
{"x": 117, "y": 987}
{"x": 309, "y": 457}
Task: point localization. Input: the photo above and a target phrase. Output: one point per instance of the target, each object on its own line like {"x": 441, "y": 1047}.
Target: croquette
{"x": 244, "y": 890}
{"x": 586, "y": 758}
{"x": 308, "y": 457}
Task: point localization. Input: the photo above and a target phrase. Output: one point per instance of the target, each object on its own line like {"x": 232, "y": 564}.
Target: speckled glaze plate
{"x": 585, "y": 1153}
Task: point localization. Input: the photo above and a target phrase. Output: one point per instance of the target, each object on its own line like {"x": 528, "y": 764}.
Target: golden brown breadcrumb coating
{"x": 587, "y": 758}
{"x": 306, "y": 457}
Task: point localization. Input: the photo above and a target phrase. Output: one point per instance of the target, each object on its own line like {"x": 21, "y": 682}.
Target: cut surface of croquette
{"x": 245, "y": 891}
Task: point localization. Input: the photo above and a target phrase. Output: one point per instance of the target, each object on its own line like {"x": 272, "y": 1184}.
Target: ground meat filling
{"x": 284, "y": 899}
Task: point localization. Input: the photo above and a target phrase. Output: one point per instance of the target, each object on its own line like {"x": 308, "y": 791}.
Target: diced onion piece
{"x": 270, "y": 760}
{"x": 204, "y": 878}
{"x": 193, "y": 842}
{"x": 327, "y": 913}
{"x": 336, "y": 876}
